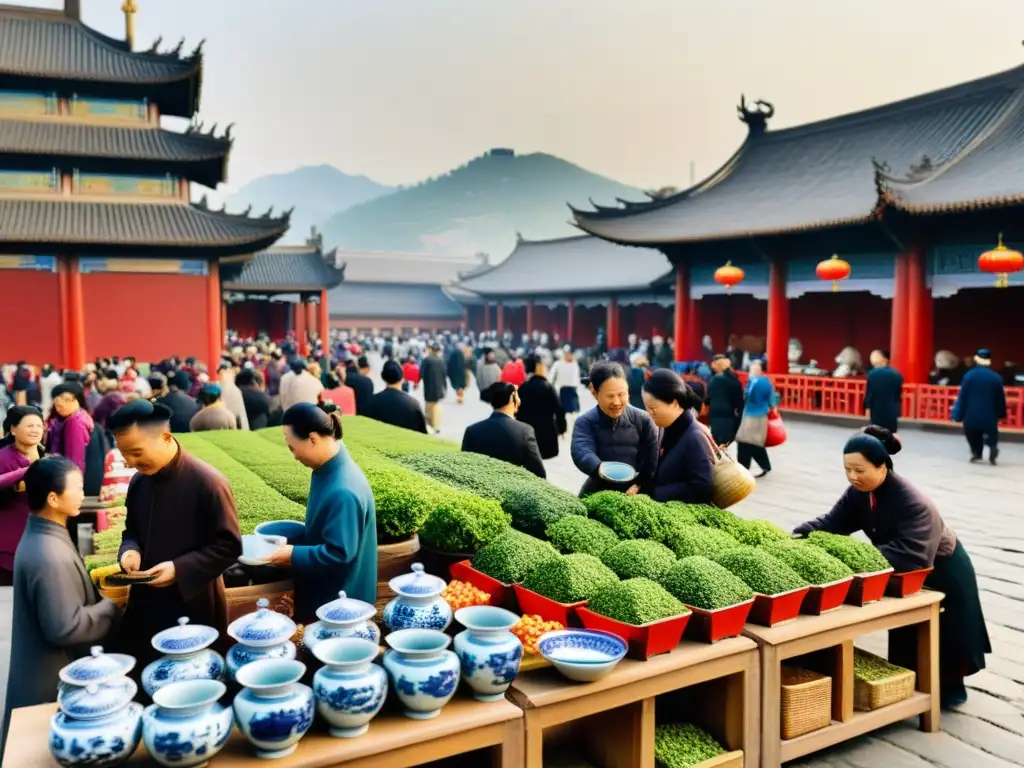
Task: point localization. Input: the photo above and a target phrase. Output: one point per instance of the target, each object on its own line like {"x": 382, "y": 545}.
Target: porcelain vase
{"x": 418, "y": 603}
{"x": 343, "y": 617}
{"x": 423, "y": 671}
{"x": 185, "y": 725}
{"x": 274, "y": 710}
{"x": 239, "y": 655}
{"x": 488, "y": 652}
{"x": 349, "y": 689}
{"x": 187, "y": 656}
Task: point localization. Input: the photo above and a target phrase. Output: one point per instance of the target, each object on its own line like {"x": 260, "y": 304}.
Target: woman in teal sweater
{"x": 338, "y": 550}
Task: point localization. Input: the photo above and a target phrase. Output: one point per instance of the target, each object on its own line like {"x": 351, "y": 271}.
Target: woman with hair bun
{"x": 908, "y": 530}
{"x": 684, "y": 464}
{"x": 338, "y": 550}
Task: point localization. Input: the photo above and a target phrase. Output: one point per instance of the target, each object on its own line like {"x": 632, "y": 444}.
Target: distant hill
{"x": 476, "y": 208}
{"x": 316, "y": 191}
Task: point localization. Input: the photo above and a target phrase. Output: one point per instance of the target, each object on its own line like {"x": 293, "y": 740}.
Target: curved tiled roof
{"x": 208, "y": 154}
{"x": 73, "y": 222}
{"x": 370, "y": 300}
{"x": 822, "y": 174}
{"x": 284, "y": 269}
{"x": 570, "y": 265}
{"x": 406, "y": 268}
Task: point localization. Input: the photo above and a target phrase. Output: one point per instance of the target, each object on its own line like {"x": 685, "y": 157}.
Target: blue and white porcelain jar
{"x": 274, "y": 710}
{"x": 418, "y": 604}
{"x": 262, "y": 636}
{"x": 350, "y": 689}
{"x": 344, "y": 617}
{"x": 98, "y": 725}
{"x": 186, "y": 725}
{"x": 423, "y": 671}
{"x": 489, "y": 653}
{"x": 187, "y": 656}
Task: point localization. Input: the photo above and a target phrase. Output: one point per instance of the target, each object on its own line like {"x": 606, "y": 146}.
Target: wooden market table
{"x": 836, "y": 631}
{"x": 615, "y": 716}
{"x": 393, "y": 741}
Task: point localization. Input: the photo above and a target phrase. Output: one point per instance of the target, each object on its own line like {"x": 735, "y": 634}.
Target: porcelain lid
{"x": 97, "y": 667}
{"x": 345, "y": 610}
{"x": 97, "y": 699}
{"x": 419, "y": 583}
{"x": 262, "y": 628}
{"x": 184, "y": 638}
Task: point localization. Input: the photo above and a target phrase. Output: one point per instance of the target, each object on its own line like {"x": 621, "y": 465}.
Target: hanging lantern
{"x": 834, "y": 269}
{"x": 729, "y": 276}
{"x": 1001, "y": 261}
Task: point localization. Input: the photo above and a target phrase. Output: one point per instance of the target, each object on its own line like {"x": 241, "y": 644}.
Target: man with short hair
{"x": 435, "y": 386}
{"x": 393, "y": 406}
{"x": 883, "y": 397}
{"x": 981, "y": 405}
{"x": 359, "y": 380}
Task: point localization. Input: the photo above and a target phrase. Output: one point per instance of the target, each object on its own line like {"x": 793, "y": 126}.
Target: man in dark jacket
{"x": 435, "y": 386}
{"x": 981, "y": 405}
{"x": 540, "y": 407}
{"x": 361, "y": 384}
{"x": 183, "y": 407}
{"x": 883, "y": 398}
{"x": 456, "y": 365}
{"x": 725, "y": 401}
{"x": 393, "y": 406}
{"x": 501, "y": 436}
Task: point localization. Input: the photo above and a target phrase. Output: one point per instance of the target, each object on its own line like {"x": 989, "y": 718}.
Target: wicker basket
{"x": 869, "y": 695}
{"x": 731, "y": 482}
{"x": 806, "y": 702}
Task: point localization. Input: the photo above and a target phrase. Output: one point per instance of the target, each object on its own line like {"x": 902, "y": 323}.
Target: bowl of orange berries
{"x": 531, "y": 628}
{"x": 462, "y": 594}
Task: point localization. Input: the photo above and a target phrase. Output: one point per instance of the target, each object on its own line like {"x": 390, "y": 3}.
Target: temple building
{"x": 906, "y": 196}
{"x": 572, "y": 287}
{"x": 102, "y": 251}
{"x": 396, "y": 293}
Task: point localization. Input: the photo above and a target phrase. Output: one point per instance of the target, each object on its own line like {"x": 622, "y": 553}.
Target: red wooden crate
{"x": 712, "y": 626}
{"x": 868, "y": 587}
{"x": 501, "y": 594}
{"x": 826, "y": 597}
{"x": 770, "y": 610}
{"x": 644, "y": 640}
{"x": 546, "y": 608}
{"x": 907, "y": 583}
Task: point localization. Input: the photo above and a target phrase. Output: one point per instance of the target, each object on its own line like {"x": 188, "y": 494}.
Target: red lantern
{"x": 729, "y": 275}
{"x": 834, "y": 269}
{"x": 1000, "y": 261}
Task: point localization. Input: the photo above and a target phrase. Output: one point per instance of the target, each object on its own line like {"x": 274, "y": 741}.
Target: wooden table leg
{"x": 842, "y": 682}
{"x": 928, "y": 668}
{"x": 511, "y": 753}
{"x": 771, "y": 702}
{"x": 623, "y": 737}
{"x": 533, "y": 740}
{"x": 751, "y": 703}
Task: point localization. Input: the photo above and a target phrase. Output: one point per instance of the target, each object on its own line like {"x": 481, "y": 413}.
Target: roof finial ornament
{"x": 269, "y": 213}
{"x": 519, "y": 237}
{"x": 288, "y": 214}
{"x": 247, "y": 211}
{"x": 176, "y": 52}
{"x": 128, "y": 8}
{"x": 204, "y": 202}
{"x": 315, "y": 239}
{"x": 758, "y": 117}
{"x": 227, "y": 132}
{"x": 197, "y": 51}
{"x": 156, "y": 44}
{"x": 213, "y": 131}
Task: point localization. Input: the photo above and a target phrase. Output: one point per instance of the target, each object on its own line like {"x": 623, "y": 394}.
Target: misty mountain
{"x": 478, "y": 207}
{"x": 316, "y": 191}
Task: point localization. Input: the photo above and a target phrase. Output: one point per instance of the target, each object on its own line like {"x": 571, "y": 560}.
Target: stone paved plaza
{"x": 979, "y": 501}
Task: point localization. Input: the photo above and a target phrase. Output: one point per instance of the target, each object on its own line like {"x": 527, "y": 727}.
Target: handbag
{"x": 753, "y": 430}
{"x": 731, "y": 482}
{"x": 776, "y": 434}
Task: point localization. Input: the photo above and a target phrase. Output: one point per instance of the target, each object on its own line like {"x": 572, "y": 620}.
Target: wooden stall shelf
{"x": 614, "y": 716}
{"x": 728, "y": 760}
{"x": 836, "y": 631}
{"x": 393, "y": 741}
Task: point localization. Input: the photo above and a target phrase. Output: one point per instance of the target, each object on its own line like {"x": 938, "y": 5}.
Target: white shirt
{"x": 565, "y": 374}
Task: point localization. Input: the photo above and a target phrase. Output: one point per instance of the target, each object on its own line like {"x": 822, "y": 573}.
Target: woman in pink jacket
{"x": 19, "y": 448}
{"x": 70, "y": 426}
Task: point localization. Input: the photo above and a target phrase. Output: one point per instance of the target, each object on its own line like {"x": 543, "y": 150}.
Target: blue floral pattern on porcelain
{"x": 239, "y": 655}
{"x": 424, "y": 673}
{"x": 262, "y": 628}
{"x": 95, "y": 701}
{"x": 274, "y": 710}
{"x": 350, "y": 689}
{"x": 98, "y": 743}
{"x": 345, "y": 610}
{"x": 205, "y": 664}
{"x": 319, "y": 631}
{"x": 192, "y": 730}
{"x": 489, "y": 654}
{"x": 97, "y": 667}
{"x": 418, "y": 603}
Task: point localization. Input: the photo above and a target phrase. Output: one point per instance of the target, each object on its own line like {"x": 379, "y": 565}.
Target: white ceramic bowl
{"x": 583, "y": 655}
{"x": 257, "y": 548}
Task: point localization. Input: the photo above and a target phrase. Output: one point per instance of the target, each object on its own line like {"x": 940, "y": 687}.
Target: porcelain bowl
{"x": 274, "y": 710}
{"x": 616, "y": 472}
{"x": 292, "y": 530}
{"x": 257, "y": 548}
{"x": 583, "y": 655}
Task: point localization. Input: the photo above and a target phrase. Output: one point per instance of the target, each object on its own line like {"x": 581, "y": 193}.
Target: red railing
{"x": 845, "y": 397}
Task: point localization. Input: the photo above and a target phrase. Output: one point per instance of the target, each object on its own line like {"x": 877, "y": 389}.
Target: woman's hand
{"x": 131, "y": 561}
{"x": 165, "y": 574}
{"x": 281, "y": 557}
{"x": 633, "y": 490}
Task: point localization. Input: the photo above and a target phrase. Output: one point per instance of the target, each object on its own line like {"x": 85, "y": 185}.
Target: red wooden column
{"x": 302, "y": 347}
{"x": 464, "y": 323}
{"x": 325, "y": 321}
{"x": 62, "y": 292}
{"x": 919, "y": 319}
{"x": 214, "y": 307}
{"x": 777, "y": 343}
{"x": 613, "y": 324}
{"x": 693, "y": 329}
{"x": 500, "y": 320}
{"x": 570, "y": 321}
{"x": 900, "y": 304}
{"x": 529, "y": 316}
{"x": 487, "y": 317}
{"x": 74, "y": 318}
{"x": 680, "y": 326}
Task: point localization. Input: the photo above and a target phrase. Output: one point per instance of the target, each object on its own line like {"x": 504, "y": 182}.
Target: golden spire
{"x": 128, "y": 9}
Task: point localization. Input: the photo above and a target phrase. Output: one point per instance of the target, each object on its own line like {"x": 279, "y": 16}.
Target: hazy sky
{"x": 400, "y": 90}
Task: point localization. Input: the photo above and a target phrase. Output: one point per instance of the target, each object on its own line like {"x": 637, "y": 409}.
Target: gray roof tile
{"x": 288, "y": 268}
{"x": 389, "y": 300}
{"x": 822, "y": 174}
{"x": 407, "y": 268}
{"x": 571, "y": 265}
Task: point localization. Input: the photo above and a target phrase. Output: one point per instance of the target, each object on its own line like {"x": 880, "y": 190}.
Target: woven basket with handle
{"x": 806, "y": 702}
{"x": 731, "y": 482}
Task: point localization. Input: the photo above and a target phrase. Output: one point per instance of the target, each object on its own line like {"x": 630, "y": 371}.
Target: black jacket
{"x": 363, "y": 387}
{"x": 884, "y": 397}
{"x": 393, "y": 406}
{"x": 725, "y": 405}
{"x": 434, "y": 377}
{"x": 183, "y": 408}
{"x": 257, "y": 407}
{"x": 502, "y": 437}
{"x": 684, "y": 466}
{"x": 541, "y": 409}
{"x": 631, "y": 439}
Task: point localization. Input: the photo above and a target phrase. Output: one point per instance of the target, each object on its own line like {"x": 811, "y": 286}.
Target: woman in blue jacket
{"x": 684, "y": 464}
{"x": 750, "y": 438}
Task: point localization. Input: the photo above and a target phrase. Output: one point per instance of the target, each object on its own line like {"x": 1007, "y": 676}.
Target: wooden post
{"x": 569, "y": 322}
{"x": 693, "y": 329}
{"x": 500, "y": 321}
{"x": 325, "y": 322}
{"x": 464, "y": 324}
{"x": 62, "y": 291}
{"x": 919, "y": 319}
{"x": 75, "y": 317}
{"x": 487, "y": 317}
{"x": 900, "y": 303}
{"x": 681, "y": 330}
{"x": 612, "y": 331}
{"x": 529, "y": 317}
{"x": 777, "y": 343}
{"x": 301, "y": 344}
{"x": 214, "y": 308}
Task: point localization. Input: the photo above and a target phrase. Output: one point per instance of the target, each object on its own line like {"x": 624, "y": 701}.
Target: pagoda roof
{"x": 164, "y": 225}
{"x": 949, "y": 149}
{"x": 202, "y": 157}
{"x": 283, "y": 269}
{"x": 402, "y": 268}
{"x": 389, "y": 300}
{"x": 47, "y": 45}
{"x": 570, "y": 265}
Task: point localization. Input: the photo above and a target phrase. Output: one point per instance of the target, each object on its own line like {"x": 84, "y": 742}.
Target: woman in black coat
{"x": 908, "y": 530}
{"x": 725, "y": 401}
{"x": 540, "y": 407}
{"x": 684, "y": 457}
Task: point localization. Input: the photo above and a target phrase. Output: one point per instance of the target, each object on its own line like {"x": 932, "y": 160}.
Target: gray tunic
{"x": 58, "y": 614}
